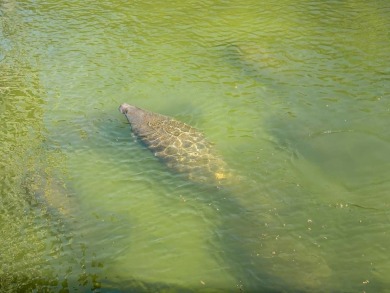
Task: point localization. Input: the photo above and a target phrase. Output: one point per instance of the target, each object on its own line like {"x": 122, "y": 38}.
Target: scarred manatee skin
{"x": 182, "y": 147}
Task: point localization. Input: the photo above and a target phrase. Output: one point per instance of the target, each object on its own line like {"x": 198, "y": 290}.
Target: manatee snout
{"x": 124, "y": 108}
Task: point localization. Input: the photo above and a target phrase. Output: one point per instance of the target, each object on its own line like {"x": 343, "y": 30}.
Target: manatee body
{"x": 182, "y": 147}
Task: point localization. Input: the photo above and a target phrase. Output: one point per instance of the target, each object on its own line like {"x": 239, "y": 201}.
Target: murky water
{"x": 295, "y": 98}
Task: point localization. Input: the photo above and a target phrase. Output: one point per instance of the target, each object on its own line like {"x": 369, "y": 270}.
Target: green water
{"x": 294, "y": 96}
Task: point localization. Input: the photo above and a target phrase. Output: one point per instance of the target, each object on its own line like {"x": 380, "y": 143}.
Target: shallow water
{"x": 295, "y": 98}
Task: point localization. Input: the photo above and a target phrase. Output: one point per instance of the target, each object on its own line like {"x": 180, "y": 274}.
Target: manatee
{"x": 183, "y": 148}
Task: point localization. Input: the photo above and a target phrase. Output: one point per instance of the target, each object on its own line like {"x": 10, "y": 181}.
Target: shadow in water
{"x": 250, "y": 244}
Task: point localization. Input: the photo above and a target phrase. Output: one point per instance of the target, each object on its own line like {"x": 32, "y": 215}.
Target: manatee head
{"x": 127, "y": 109}
{"x": 133, "y": 114}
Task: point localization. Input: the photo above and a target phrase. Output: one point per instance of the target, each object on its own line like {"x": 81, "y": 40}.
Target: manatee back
{"x": 182, "y": 147}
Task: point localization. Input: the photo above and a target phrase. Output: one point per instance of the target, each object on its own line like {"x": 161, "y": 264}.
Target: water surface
{"x": 295, "y": 98}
